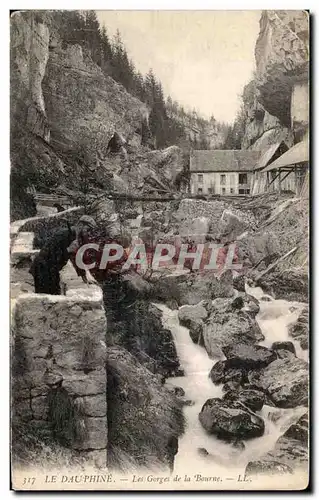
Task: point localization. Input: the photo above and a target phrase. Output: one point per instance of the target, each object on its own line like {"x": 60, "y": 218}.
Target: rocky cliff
{"x": 282, "y": 64}
{"x": 61, "y": 104}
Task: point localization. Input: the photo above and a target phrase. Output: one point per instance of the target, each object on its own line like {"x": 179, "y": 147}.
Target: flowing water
{"x": 273, "y": 318}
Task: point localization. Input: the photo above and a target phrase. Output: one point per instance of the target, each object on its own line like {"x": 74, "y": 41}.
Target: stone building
{"x": 224, "y": 172}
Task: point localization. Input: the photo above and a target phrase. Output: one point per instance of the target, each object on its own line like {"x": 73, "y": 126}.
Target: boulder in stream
{"x": 286, "y": 346}
{"x": 188, "y": 314}
{"x": 222, "y": 374}
{"x": 300, "y": 330}
{"x": 285, "y": 382}
{"x": 229, "y": 324}
{"x": 251, "y": 304}
{"x": 230, "y": 420}
{"x": 247, "y": 356}
{"x": 289, "y": 454}
{"x": 251, "y": 398}
{"x": 192, "y": 317}
{"x": 191, "y": 288}
{"x": 267, "y": 467}
{"x": 288, "y": 284}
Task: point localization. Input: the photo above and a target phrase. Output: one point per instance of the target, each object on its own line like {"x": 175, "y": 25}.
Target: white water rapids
{"x": 273, "y": 318}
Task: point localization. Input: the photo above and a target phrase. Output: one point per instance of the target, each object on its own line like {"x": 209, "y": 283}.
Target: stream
{"x": 274, "y": 318}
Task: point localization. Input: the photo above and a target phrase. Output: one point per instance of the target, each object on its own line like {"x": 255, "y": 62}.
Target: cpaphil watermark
{"x": 194, "y": 257}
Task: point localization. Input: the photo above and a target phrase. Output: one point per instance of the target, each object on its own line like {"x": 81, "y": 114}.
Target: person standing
{"x": 51, "y": 259}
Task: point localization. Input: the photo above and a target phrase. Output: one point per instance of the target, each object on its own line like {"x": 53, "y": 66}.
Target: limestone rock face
{"x": 262, "y": 129}
{"x": 282, "y": 55}
{"x": 84, "y": 104}
{"x": 26, "y": 81}
{"x": 168, "y": 162}
{"x": 276, "y": 100}
{"x": 62, "y": 105}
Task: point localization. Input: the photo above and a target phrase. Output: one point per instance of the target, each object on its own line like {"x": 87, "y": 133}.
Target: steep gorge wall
{"x": 278, "y": 95}
{"x": 83, "y": 104}
{"x": 60, "y": 101}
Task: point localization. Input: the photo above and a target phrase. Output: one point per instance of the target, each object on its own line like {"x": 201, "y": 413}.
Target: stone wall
{"x": 58, "y": 353}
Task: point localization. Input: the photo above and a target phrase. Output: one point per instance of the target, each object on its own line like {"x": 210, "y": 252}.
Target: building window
{"x": 241, "y": 191}
{"x": 222, "y": 179}
{"x": 223, "y": 190}
{"x": 242, "y": 179}
{"x": 210, "y": 190}
{"x": 199, "y": 191}
{"x": 200, "y": 178}
{"x": 231, "y": 190}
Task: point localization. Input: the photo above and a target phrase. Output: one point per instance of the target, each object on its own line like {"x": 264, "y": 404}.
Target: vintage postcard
{"x": 159, "y": 250}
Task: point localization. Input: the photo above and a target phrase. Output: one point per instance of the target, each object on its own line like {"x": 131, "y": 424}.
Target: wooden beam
{"x": 273, "y": 180}
{"x": 288, "y": 173}
{"x": 272, "y": 266}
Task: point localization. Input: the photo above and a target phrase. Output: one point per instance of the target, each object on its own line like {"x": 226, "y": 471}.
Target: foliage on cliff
{"x": 169, "y": 122}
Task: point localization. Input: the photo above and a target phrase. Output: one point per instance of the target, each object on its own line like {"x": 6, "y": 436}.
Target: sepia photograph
{"x": 159, "y": 250}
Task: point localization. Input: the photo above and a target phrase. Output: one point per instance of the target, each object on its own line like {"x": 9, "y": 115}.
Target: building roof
{"x": 223, "y": 160}
{"x": 267, "y": 155}
{"x": 299, "y": 153}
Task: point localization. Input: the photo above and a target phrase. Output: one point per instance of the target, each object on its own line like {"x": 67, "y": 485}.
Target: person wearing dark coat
{"x": 52, "y": 257}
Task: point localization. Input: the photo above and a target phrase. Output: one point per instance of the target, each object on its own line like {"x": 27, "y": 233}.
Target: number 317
{"x": 29, "y": 480}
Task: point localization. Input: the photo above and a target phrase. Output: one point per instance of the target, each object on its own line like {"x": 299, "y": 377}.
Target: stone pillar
{"x": 58, "y": 347}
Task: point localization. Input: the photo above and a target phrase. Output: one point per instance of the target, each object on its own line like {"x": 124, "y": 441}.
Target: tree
{"x": 92, "y": 36}
{"x": 106, "y": 52}
{"x": 169, "y": 122}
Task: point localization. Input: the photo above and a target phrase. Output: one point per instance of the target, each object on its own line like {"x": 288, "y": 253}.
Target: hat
{"x": 88, "y": 221}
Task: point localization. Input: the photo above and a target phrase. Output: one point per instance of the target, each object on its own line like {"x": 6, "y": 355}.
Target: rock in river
{"x": 229, "y": 324}
{"x": 192, "y": 313}
{"x": 251, "y": 398}
{"x": 285, "y": 381}
{"x": 286, "y": 346}
{"x": 248, "y": 356}
{"x": 230, "y": 420}
{"x": 192, "y": 317}
{"x": 300, "y": 330}
{"x": 290, "y": 452}
{"x": 222, "y": 374}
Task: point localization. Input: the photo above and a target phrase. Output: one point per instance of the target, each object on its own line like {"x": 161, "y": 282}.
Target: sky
{"x": 203, "y": 58}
